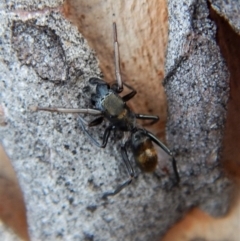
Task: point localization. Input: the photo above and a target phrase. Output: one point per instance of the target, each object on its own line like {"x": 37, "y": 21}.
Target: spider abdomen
{"x": 144, "y": 152}
{"x": 147, "y": 160}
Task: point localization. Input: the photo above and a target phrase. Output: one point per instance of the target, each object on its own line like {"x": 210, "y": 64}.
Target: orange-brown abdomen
{"x": 146, "y": 156}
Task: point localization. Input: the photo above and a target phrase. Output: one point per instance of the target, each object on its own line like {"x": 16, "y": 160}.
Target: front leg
{"x": 117, "y": 60}
{"x": 67, "y": 110}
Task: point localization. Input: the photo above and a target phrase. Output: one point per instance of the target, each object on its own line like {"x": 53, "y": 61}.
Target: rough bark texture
{"x": 228, "y": 39}
{"x": 197, "y": 91}
{"x": 229, "y": 10}
{"x": 61, "y": 174}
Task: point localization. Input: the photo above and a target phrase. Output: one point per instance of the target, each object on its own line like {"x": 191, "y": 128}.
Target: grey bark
{"x": 46, "y": 61}
{"x": 230, "y": 10}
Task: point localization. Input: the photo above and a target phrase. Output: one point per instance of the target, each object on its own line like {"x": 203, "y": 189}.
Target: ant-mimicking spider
{"x": 111, "y": 106}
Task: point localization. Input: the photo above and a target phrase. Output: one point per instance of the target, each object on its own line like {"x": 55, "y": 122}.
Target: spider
{"x": 111, "y": 106}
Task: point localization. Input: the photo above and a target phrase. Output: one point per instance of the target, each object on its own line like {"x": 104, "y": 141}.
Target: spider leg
{"x": 96, "y": 121}
{"x": 67, "y": 110}
{"x": 92, "y": 139}
{"x": 154, "y": 118}
{"x": 116, "y": 58}
{"x": 161, "y": 145}
{"x": 128, "y": 96}
{"x": 130, "y": 171}
{"x": 131, "y": 94}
